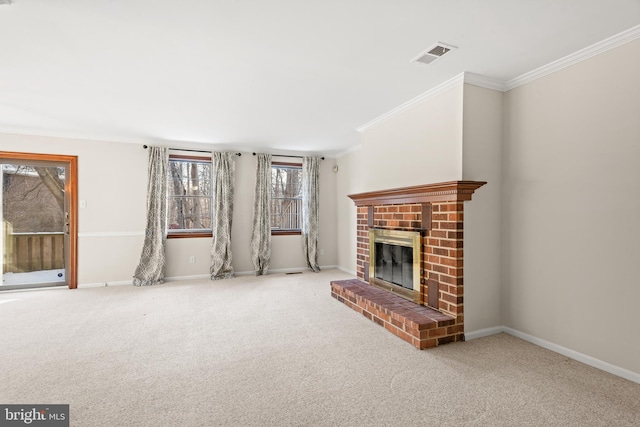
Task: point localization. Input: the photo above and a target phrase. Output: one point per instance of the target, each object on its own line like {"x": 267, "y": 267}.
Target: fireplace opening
{"x": 395, "y": 262}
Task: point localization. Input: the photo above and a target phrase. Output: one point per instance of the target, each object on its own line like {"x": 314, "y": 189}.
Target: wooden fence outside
{"x": 24, "y": 252}
{"x": 285, "y": 214}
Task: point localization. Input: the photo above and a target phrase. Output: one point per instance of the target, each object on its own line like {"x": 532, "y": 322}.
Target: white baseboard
{"x": 583, "y": 358}
{"x": 202, "y": 276}
{"x": 286, "y": 270}
{"x": 103, "y": 284}
{"x": 274, "y": 271}
{"x": 193, "y": 277}
{"x": 468, "y": 336}
{"x": 572, "y": 354}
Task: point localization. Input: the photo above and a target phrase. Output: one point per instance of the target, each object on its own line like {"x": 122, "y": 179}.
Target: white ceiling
{"x": 280, "y": 75}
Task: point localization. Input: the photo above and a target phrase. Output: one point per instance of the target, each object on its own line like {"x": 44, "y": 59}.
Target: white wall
{"x": 349, "y": 181}
{"x": 482, "y": 161}
{"x": 572, "y": 207}
{"x": 418, "y": 146}
{"x": 112, "y": 179}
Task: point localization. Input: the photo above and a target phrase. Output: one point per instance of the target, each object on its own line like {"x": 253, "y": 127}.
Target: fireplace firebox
{"x": 395, "y": 262}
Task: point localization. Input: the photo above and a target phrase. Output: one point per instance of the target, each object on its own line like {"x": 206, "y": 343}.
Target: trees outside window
{"x": 33, "y": 198}
{"x": 189, "y": 196}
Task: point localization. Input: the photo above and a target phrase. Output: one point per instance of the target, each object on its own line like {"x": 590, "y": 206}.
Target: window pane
{"x": 286, "y": 197}
{"x": 189, "y": 196}
{"x": 286, "y": 213}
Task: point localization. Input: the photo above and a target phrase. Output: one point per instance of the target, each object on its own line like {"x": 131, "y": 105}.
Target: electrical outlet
{"x": 321, "y": 251}
{"x": 192, "y": 259}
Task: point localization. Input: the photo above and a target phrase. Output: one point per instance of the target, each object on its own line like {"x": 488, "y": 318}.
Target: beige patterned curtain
{"x": 261, "y": 227}
{"x": 150, "y": 270}
{"x": 310, "y": 208}
{"x": 223, "y": 184}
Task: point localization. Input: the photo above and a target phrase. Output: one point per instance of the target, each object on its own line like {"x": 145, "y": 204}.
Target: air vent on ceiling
{"x": 434, "y": 53}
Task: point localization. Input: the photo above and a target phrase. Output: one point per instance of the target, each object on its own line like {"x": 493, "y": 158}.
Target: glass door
{"x": 35, "y": 223}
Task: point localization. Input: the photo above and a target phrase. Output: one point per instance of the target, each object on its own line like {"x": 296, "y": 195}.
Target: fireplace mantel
{"x": 443, "y": 191}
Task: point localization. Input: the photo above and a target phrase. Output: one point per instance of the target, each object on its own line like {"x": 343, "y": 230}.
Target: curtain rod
{"x": 193, "y": 151}
{"x": 293, "y": 157}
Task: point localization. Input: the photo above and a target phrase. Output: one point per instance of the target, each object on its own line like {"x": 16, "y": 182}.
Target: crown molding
{"x": 465, "y": 77}
{"x": 579, "y": 56}
{"x": 485, "y": 81}
{"x": 455, "y": 81}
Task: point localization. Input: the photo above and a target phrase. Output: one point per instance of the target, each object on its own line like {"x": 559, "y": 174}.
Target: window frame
{"x": 181, "y": 234}
{"x": 293, "y": 231}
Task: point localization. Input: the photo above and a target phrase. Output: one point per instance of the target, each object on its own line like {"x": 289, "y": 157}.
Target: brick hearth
{"x": 437, "y": 212}
{"x": 421, "y": 326}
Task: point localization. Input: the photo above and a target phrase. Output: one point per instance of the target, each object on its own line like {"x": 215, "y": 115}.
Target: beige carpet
{"x": 277, "y": 351}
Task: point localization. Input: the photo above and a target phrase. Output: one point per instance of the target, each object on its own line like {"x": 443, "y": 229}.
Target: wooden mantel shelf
{"x": 440, "y": 192}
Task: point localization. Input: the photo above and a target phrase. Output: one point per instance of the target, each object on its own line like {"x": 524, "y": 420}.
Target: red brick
{"x": 456, "y": 272}
{"x": 397, "y": 323}
{"x": 446, "y": 340}
{"x": 440, "y": 251}
{"x": 405, "y": 336}
{"x": 437, "y": 332}
{"x": 450, "y": 225}
{"x": 456, "y": 253}
{"x": 457, "y": 281}
{"x": 440, "y": 234}
{"x": 440, "y": 269}
{"x": 455, "y": 329}
{"x": 452, "y": 207}
{"x": 452, "y": 298}
{"x": 452, "y": 262}
{"x": 389, "y": 327}
{"x": 455, "y": 234}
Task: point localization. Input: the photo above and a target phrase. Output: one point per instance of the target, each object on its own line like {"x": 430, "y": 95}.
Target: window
{"x": 189, "y": 200}
{"x": 286, "y": 198}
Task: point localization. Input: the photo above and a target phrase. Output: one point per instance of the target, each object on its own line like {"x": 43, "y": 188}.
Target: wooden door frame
{"x": 71, "y": 190}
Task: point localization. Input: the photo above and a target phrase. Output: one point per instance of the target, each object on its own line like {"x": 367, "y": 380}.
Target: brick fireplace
{"x": 435, "y": 315}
